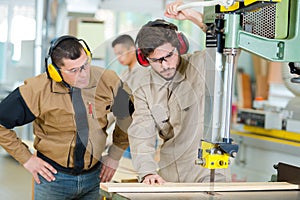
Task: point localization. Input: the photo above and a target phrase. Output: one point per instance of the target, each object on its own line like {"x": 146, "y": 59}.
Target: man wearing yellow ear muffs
{"x": 68, "y": 106}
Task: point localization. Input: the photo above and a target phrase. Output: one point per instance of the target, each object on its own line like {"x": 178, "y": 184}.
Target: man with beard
{"x": 169, "y": 102}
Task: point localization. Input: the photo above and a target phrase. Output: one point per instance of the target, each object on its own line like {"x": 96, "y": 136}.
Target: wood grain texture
{"x": 197, "y": 187}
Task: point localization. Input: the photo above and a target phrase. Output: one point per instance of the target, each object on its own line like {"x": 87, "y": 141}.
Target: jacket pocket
{"x": 58, "y": 121}
{"x": 160, "y": 115}
{"x": 186, "y": 100}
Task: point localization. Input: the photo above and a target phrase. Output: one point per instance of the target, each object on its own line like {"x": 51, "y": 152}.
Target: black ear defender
{"x": 183, "y": 41}
{"x": 52, "y": 70}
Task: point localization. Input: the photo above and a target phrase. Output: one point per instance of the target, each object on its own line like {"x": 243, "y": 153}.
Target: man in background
{"x": 124, "y": 49}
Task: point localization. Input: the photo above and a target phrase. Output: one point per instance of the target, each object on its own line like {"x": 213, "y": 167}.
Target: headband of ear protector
{"x": 52, "y": 69}
{"x": 183, "y": 42}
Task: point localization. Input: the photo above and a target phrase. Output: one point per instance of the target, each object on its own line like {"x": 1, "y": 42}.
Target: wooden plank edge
{"x": 197, "y": 187}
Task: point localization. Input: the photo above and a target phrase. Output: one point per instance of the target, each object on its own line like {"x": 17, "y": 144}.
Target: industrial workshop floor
{"x": 15, "y": 180}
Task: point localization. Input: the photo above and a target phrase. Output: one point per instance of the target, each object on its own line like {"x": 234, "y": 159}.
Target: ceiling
{"x": 91, "y": 6}
{"x": 79, "y": 6}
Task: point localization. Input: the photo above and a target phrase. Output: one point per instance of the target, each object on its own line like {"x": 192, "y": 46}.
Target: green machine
{"x": 277, "y": 42}
{"x": 269, "y": 29}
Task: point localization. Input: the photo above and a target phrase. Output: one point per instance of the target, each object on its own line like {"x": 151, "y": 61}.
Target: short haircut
{"x": 68, "y": 49}
{"x": 156, "y": 33}
{"x": 123, "y": 39}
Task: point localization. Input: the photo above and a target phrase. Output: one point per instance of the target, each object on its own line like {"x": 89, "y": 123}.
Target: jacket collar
{"x": 180, "y": 71}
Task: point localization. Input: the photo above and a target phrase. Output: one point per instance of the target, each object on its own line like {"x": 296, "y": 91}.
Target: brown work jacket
{"x": 54, "y": 125}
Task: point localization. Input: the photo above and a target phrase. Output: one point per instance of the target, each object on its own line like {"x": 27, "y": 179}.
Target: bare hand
{"x": 172, "y": 12}
{"x": 106, "y": 173}
{"x": 36, "y": 165}
{"x": 108, "y": 169}
{"x": 189, "y": 14}
{"x": 152, "y": 179}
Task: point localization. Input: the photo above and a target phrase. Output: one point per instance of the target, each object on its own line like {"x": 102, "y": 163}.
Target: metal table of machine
{"x": 271, "y": 195}
{"x": 259, "y": 152}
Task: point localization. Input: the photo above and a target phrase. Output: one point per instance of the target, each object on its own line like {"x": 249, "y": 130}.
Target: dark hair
{"x": 123, "y": 39}
{"x": 68, "y": 48}
{"x": 156, "y": 33}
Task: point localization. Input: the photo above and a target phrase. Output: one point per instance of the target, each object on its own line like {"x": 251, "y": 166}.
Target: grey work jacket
{"x": 174, "y": 110}
{"x": 132, "y": 77}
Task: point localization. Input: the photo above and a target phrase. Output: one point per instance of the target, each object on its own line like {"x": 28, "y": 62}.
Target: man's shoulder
{"x": 104, "y": 78}
{"x": 38, "y": 85}
{"x": 194, "y": 60}
{"x": 139, "y": 68}
{"x": 195, "y": 54}
{"x": 141, "y": 73}
{"x": 103, "y": 72}
{"x": 98, "y": 69}
{"x": 38, "y": 81}
{"x": 139, "y": 76}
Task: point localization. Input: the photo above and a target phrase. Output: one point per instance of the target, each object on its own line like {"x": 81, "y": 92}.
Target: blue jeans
{"x": 66, "y": 186}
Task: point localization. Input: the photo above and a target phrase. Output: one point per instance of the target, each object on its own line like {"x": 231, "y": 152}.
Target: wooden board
{"x": 197, "y": 187}
{"x": 244, "y": 90}
{"x": 125, "y": 172}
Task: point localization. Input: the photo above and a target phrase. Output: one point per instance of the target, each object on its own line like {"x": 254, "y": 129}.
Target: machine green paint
{"x": 283, "y": 48}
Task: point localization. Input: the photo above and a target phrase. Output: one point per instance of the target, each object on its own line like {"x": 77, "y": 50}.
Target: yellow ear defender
{"x": 88, "y": 53}
{"x": 54, "y": 73}
{"x": 52, "y": 70}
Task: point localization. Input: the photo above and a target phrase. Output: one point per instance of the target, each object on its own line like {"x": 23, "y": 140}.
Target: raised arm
{"x": 185, "y": 14}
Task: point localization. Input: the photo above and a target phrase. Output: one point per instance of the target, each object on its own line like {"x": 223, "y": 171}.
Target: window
{"x": 3, "y": 22}
{"x": 17, "y": 24}
{"x": 22, "y": 28}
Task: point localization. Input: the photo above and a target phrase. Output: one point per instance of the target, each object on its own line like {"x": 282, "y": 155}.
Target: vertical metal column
{"x": 217, "y": 101}
{"x": 218, "y": 112}
{"x": 232, "y": 26}
{"x": 39, "y": 8}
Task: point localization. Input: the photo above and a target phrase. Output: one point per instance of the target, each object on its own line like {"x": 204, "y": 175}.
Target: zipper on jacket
{"x": 92, "y": 152}
{"x": 68, "y": 161}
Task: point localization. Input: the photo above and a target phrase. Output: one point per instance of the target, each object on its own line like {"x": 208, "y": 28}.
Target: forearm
{"x": 142, "y": 135}
{"x": 197, "y": 18}
{"x": 14, "y": 112}
{"x": 143, "y": 156}
{"x": 120, "y": 140}
{"x": 192, "y": 15}
{"x": 142, "y": 138}
{"x": 14, "y": 146}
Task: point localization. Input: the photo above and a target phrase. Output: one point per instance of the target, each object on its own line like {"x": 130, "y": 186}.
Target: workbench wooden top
{"x": 197, "y": 187}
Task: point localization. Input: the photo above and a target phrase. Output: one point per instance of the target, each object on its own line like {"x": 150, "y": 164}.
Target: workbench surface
{"x": 191, "y": 191}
